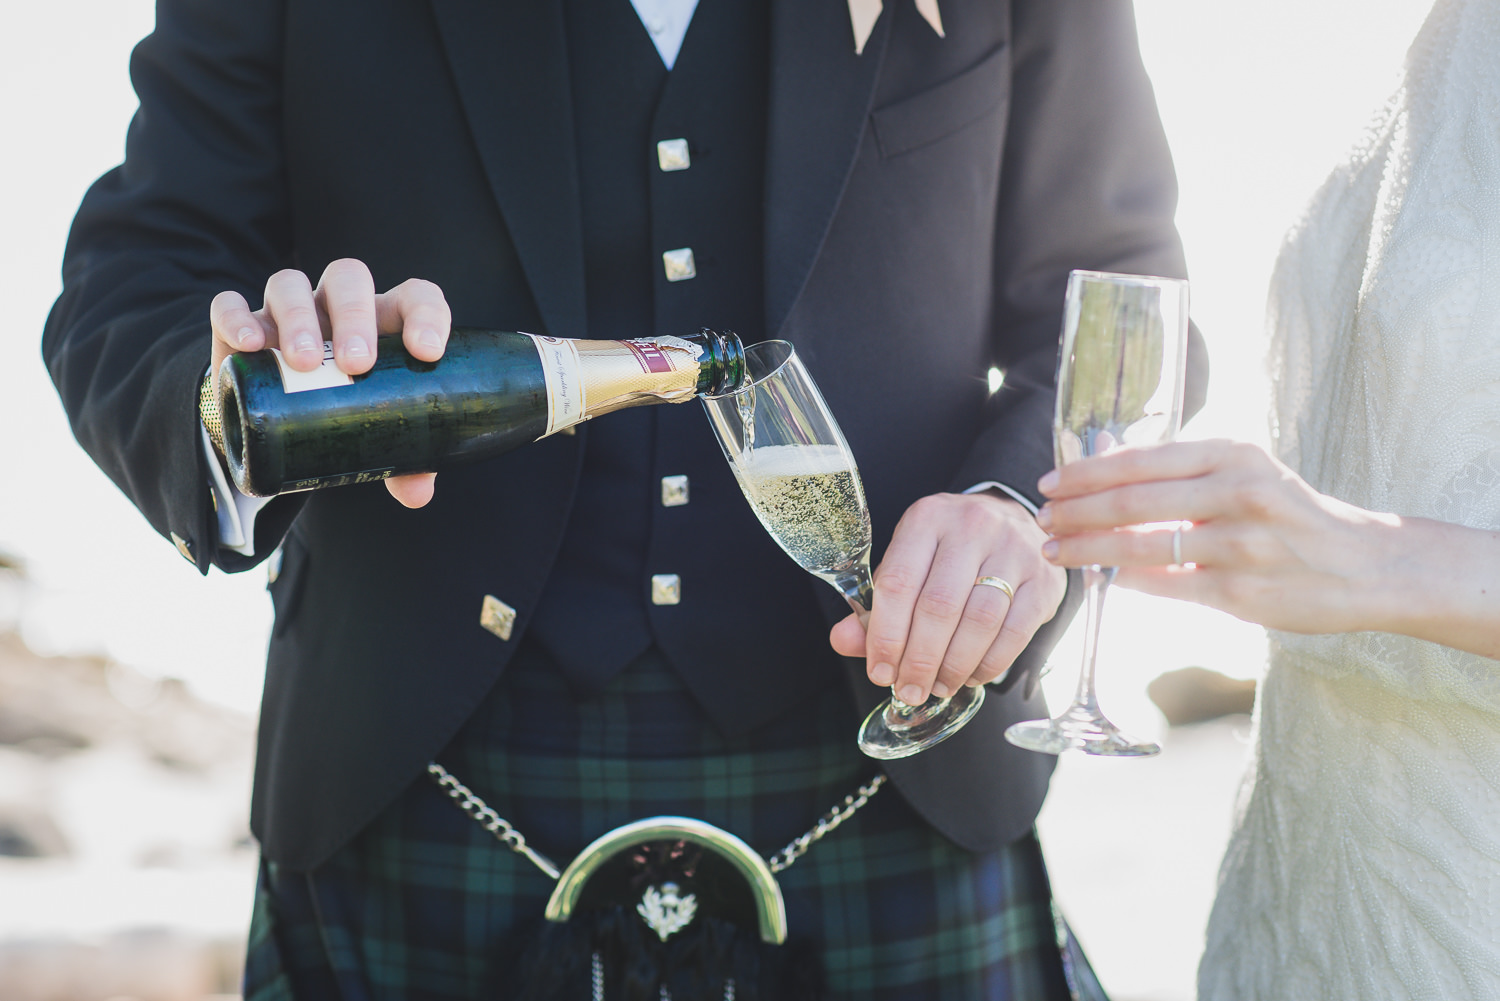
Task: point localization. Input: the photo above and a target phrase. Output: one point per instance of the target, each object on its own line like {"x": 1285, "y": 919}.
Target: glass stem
{"x": 858, "y": 590}
{"x": 1096, "y": 580}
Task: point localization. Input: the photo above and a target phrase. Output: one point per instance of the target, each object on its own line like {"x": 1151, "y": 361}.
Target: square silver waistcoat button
{"x": 666, "y": 589}
{"x": 672, "y": 154}
{"x": 674, "y": 491}
{"x": 679, "y": 264}
{"x": 497, "y": 617}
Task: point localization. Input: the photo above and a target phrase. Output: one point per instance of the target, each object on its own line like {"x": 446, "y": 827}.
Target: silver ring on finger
{"x": 1177, "y": 546}
{"x": 999, "y": 583}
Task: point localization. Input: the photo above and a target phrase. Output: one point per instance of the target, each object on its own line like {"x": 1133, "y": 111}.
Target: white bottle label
{"x": 566, "y": 401}
{"x": 326, "y": 376}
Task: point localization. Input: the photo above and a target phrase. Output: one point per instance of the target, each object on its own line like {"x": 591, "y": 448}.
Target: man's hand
{"x": 931, "y": 629}
{"x": 345, "y": 309}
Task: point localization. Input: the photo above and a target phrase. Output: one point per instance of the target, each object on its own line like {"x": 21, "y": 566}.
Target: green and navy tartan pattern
{"x": 425, "y": 905}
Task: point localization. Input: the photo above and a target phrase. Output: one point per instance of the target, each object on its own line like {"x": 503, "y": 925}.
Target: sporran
{"x": 662, "y": 909}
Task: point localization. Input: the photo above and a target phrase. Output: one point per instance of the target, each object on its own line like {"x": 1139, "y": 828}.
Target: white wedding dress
{"x": 1365, "y": 864}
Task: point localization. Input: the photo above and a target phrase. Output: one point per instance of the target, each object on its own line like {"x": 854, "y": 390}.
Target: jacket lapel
{"x": 819, "y": 103}
{"x": 510, "y": 65}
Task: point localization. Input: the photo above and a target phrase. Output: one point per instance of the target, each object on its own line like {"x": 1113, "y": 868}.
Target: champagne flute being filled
{"x": 796, "y": 470}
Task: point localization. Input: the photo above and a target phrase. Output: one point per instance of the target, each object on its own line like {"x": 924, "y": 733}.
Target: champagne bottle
{"x": 283, "y": 430}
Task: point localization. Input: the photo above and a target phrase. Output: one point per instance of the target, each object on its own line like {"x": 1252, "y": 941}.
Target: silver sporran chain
{"x": 513, "y": 839}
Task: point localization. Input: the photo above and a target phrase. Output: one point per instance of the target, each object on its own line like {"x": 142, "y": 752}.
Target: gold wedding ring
{"x": 997, "y": 582}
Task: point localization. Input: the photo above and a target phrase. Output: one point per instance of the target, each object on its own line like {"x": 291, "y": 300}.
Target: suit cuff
{"x": 236, "y": 512}
{"x": 1010, "y": 492}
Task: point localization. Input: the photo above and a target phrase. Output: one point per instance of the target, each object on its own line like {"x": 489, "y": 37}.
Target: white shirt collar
{"x": 666, "y": 21}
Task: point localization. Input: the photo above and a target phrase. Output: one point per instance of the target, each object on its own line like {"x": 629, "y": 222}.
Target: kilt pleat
{"x": 424, "y": 905}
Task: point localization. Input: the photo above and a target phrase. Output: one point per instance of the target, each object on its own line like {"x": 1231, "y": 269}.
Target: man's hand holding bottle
{"x": 344, "y": 308}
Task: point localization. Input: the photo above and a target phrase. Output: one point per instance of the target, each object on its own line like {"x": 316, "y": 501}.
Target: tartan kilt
{"x": 425, "y": 905}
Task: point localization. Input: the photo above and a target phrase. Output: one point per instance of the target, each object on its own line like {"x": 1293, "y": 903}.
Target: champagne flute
{"x": 1120, "y": 382}
{"x": 795, "y": 468}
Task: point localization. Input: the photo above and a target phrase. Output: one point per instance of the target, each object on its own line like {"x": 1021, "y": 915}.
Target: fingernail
{"x": 242, "y": 336}
{"x": 305, "y": 344}
{"x": 883, "y": 674}
{"x": 1044, "y": 516}
{"x": 1047, "y": 483}
{"x": 355, "y": 347}
{"x": 911, "y": 695}
{"x": 430, "y": 339}
{"x": 941, "y": 690}
{"x": 1049, "y": 549}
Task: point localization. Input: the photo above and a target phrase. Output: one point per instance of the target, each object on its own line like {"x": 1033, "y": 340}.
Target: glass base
{"x": 1079, "y": 732}
{"x": 896, "y": 730}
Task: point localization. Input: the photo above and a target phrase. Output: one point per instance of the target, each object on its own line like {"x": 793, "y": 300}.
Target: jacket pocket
{"x": 940, "y": 111}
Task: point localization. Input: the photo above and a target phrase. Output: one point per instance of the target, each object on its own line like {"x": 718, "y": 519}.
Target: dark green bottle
{"x": 492, "y": 391}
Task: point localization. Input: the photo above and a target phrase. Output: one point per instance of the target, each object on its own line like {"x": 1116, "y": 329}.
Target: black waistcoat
{"x": 597, "y": 611}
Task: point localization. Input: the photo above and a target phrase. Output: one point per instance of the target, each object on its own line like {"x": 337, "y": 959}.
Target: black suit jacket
{"x": 925, "y": 201}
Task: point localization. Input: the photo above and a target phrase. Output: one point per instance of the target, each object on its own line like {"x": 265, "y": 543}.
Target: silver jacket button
{"x": 496, "y": 616}
{"x": 672, "y": 154}
{"x": 666, "y": 589}
{"x": 674, "y": 491}
{"x": 679, "y": 264}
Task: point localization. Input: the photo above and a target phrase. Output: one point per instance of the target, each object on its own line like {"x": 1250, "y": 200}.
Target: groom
{"x": 905, "y": 214}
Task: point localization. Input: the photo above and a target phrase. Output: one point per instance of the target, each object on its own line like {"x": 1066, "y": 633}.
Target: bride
{"x": 1366, "y": 857}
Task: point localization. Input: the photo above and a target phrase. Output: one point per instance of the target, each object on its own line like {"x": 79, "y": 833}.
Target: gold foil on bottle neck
{"x": 620, "y": 374}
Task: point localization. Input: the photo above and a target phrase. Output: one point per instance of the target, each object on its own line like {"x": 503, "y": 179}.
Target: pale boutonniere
{"x": 864, "y": 13}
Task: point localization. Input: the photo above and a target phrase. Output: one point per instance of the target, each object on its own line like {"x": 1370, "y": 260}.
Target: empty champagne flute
{"x": 1120, "y": 382}
{"x": 796, "y": 470}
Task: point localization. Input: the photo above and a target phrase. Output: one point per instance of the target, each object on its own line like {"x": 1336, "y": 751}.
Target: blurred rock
{"x": 149, "y": 965}
{"x": 29, "y": 732}
{"x": 27, "y": 828}
{"x": 1196, "y": 694}
{"x": 12, "y": 587}
{"x": 52, "y": 706}
{"x": 101, "y": 762}
{"x": 27, "y": 831}
{"x": 126, "y": 866}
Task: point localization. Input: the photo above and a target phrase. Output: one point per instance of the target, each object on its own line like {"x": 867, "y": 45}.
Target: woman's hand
{"x": 932, "y": 629}
{"x": 1256, "y": 540}
{"x": 345, "y": 309}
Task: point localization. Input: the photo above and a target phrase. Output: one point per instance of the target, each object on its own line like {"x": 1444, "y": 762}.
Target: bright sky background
{"x": 1259, "y": 100}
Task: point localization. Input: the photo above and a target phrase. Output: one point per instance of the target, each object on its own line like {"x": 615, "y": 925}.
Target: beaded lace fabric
{"x": 1366, "y": 858}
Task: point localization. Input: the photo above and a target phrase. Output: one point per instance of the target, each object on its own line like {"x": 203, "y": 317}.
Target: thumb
{"x": 413, "y": 489}
{"x": 848, "y": 638}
